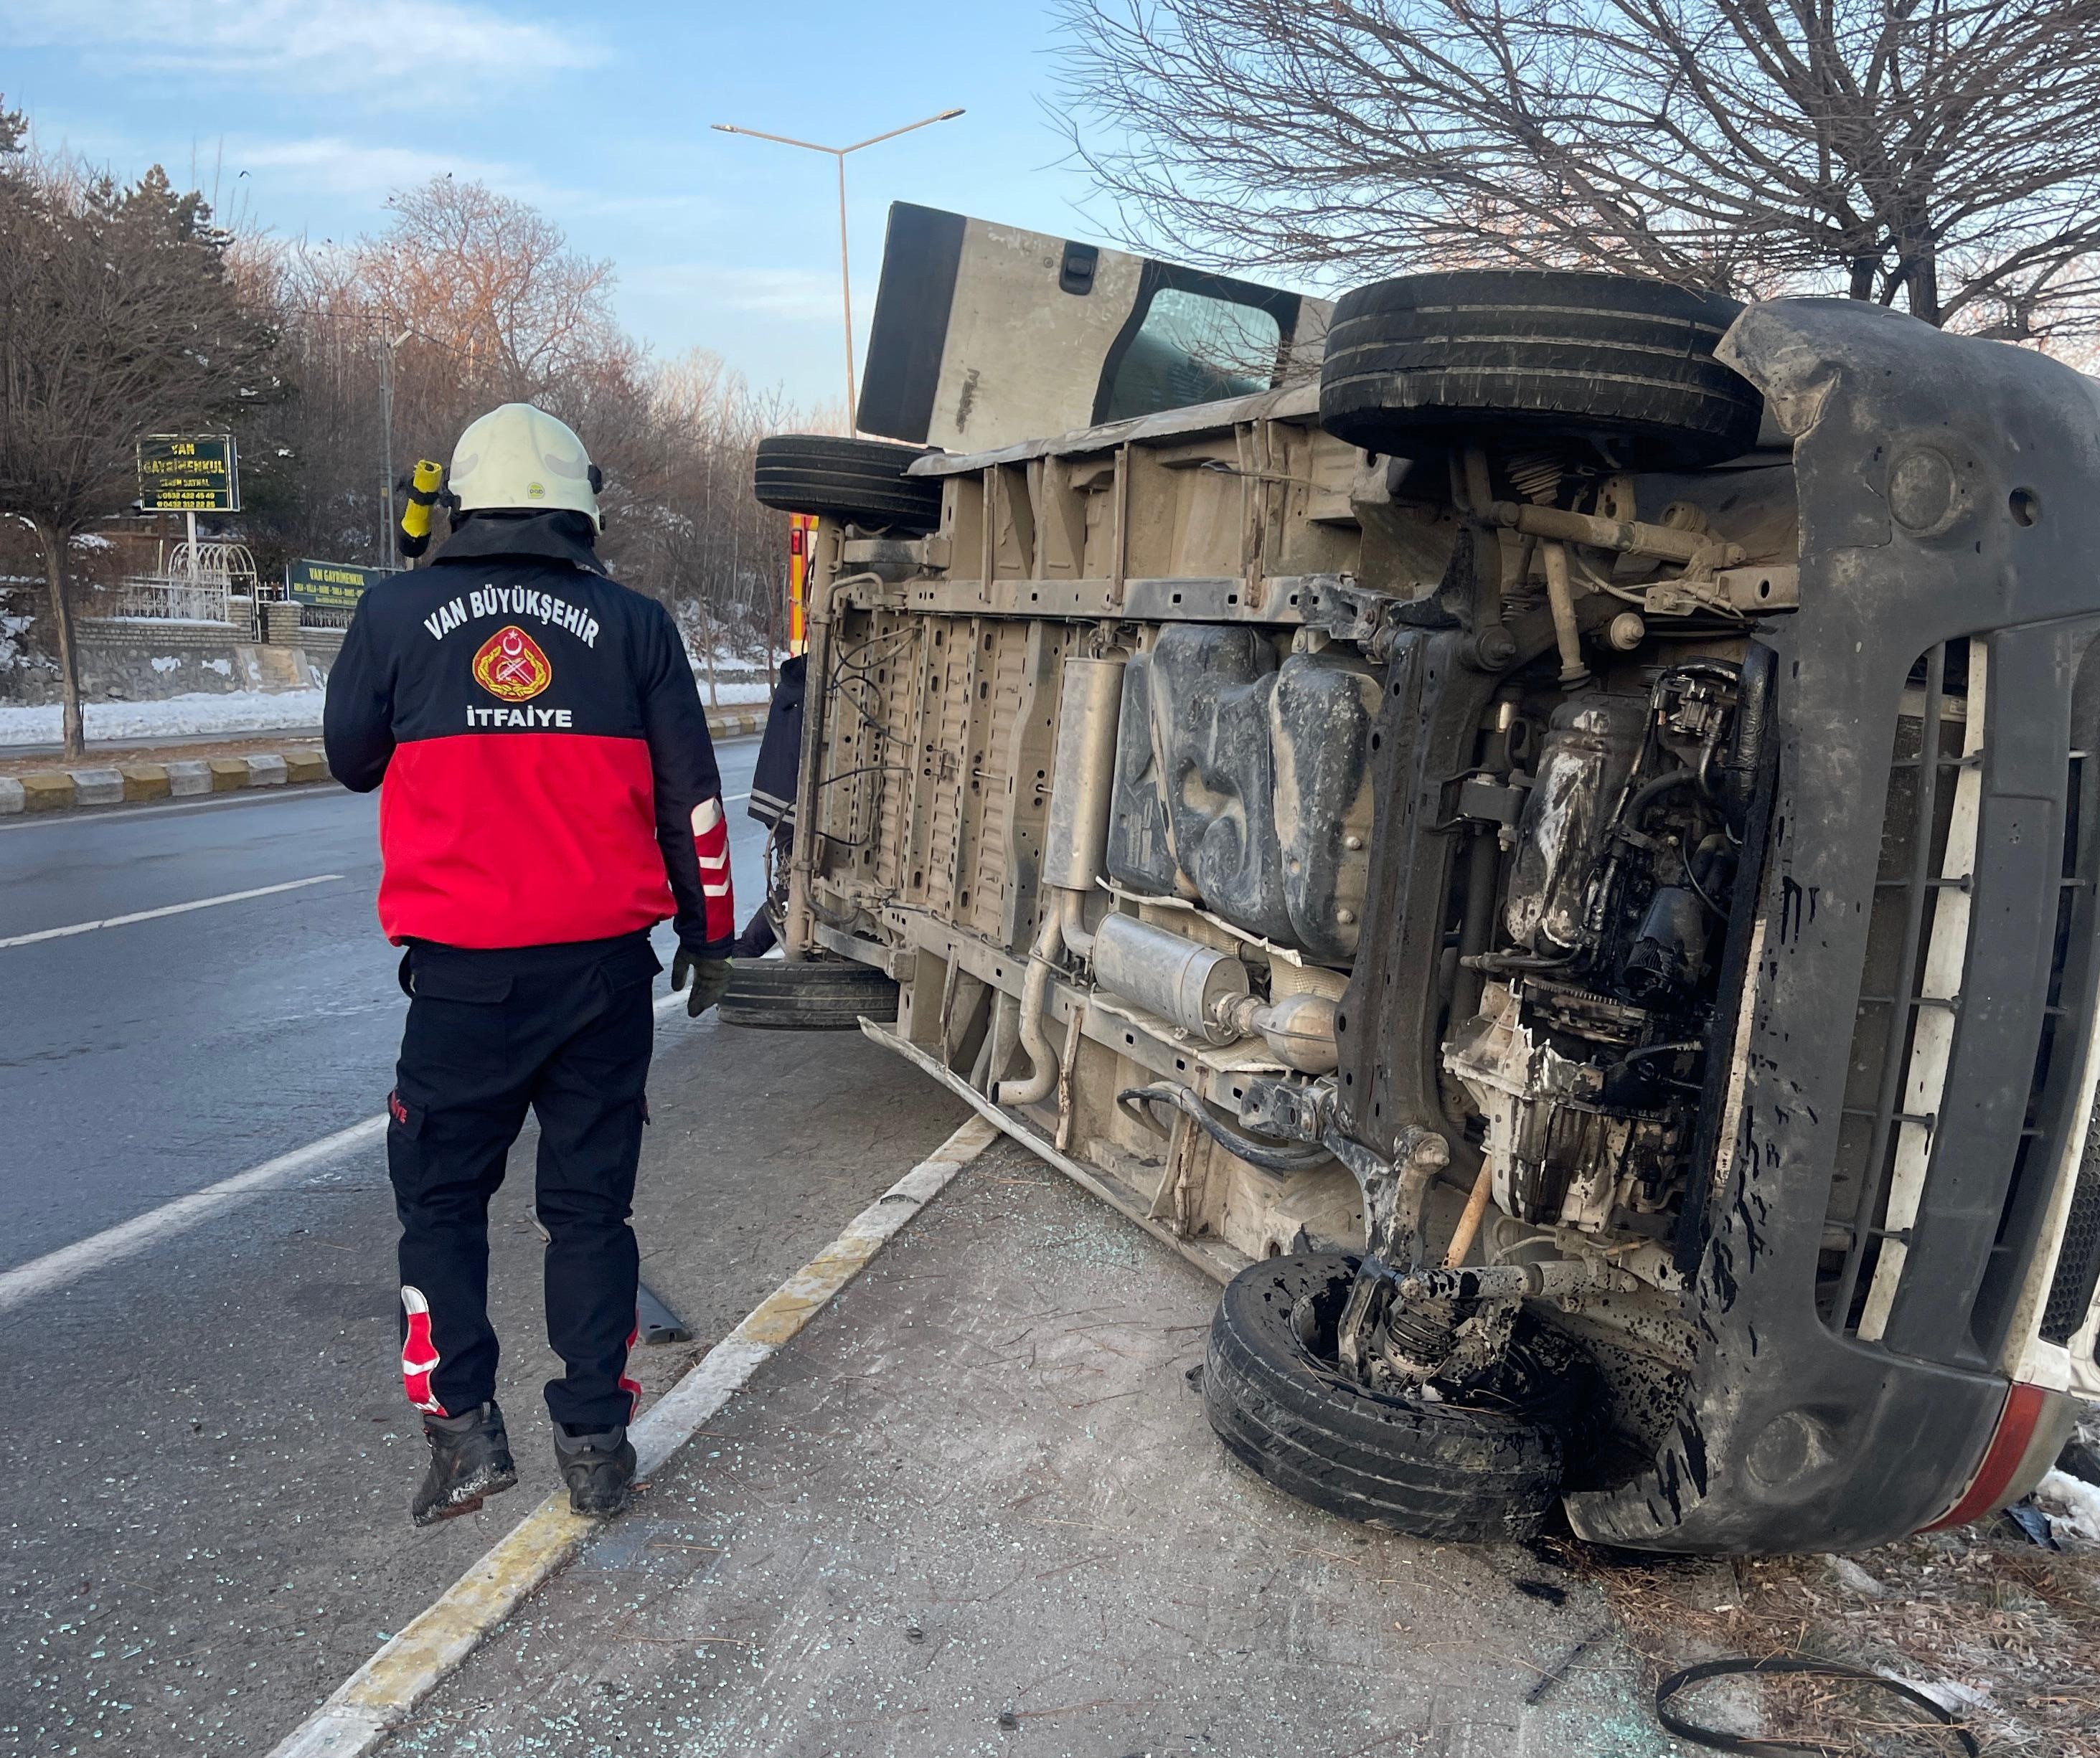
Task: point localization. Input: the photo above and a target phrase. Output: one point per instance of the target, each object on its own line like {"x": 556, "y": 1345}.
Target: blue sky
{"x": 597, "y": 115}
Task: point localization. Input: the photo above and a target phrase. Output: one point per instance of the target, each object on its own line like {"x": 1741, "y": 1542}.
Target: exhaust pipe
{"x": 1074, "y": 843}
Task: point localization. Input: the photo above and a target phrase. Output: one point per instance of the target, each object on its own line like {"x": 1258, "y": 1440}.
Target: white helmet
{"x": 521, "y": 457}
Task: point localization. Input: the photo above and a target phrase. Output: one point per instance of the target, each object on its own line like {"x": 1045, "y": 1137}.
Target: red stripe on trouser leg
{"x": 419, "y": 1354}
{"x": 711, "y": 845}
{"x": 632, "y": 1387}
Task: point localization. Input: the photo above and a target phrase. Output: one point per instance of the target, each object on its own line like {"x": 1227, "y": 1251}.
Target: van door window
{"x": 1192, "y": 348}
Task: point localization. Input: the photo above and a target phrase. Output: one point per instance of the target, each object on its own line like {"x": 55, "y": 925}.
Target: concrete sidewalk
{"x": 976, "y": 1509}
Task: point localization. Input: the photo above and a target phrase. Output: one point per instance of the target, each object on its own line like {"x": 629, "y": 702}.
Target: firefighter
{"x": 550, "y": 795}
{"x": 774, "y": 778}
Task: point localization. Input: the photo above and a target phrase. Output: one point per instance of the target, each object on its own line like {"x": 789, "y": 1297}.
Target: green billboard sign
{"x": 188, "y": 473}
{"x": 331, "y": 585}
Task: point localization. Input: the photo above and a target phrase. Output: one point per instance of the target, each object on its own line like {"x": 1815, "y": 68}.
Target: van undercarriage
{"x": 1580, "y": 909}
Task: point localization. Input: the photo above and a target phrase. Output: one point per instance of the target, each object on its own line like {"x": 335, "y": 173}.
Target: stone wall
{"x": 148, "y": 659}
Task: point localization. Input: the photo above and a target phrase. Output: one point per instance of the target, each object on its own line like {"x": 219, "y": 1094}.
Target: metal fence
{"x": 172, "y": 597}
{"x": 196, "y": 582}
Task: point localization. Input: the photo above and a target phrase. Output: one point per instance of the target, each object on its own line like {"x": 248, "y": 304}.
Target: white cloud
{"x": 686, "y": 204}
{"x": 342, "y": 167}
{"x": 387, "y": 49}
{"x": 798, "y": 295}
{"x": 247, "y": 177}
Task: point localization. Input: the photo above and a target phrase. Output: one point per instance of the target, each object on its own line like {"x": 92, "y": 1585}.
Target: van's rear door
{"x": 985, "y": 334}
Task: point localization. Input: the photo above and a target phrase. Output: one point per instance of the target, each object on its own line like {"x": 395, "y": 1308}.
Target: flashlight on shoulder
{"x": 423, "y": 485}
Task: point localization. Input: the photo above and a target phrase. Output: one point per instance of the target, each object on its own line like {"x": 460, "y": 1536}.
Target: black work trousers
{"x": 566, "y": 1030}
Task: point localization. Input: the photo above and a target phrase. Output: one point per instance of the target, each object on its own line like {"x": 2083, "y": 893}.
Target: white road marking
{"x": 98, "y": 1251}
{"x": 730, "y": 800}
{"x": 58, "y": 1268}
{"x": 173, "y": 909}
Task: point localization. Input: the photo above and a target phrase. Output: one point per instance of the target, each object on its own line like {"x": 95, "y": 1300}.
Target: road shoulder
{"x": 357, "y": 1718}
{"x": 976, "y": 1499}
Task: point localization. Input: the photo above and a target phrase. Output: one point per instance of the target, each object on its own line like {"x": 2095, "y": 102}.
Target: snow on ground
{"x": 240, "y": 710}
{"x": 235, "y": 712}
{"x": 740, "y": 694}
{"x": 2071, "y": 1503}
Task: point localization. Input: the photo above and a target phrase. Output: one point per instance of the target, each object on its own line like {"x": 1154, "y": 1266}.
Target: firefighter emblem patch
{"x": 511, "y": 666}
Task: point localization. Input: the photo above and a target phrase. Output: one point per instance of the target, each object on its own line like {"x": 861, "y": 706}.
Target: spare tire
{"x": 856, "y": 481}
{"x": 1552, "y": 354}
{"x": 812, "y": 995}
{"x": 1449, "y": 1472}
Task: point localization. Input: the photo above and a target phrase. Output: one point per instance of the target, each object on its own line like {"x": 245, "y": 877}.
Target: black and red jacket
{"x": 548, "y": 775}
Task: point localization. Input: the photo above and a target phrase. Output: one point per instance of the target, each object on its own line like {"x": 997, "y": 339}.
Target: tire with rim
{"x": 1452, "y": 1473}
{"x": 812, "y": 995}
{"x": 856, "y": 481}
{"x": 1551, "y": 355}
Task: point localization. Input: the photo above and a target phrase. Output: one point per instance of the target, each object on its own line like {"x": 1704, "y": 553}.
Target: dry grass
{"x": 1979, "y": 1609}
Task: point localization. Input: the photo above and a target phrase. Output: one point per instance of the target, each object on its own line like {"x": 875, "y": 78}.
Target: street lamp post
{"x": 386, "y": 347}
{"x": 388, "y": 344}
{"x": 846, "y": 280}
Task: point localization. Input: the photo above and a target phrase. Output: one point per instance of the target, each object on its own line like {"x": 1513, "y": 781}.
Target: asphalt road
{"x": 199, "y": 1044}
{"x": 207, "y": 1525}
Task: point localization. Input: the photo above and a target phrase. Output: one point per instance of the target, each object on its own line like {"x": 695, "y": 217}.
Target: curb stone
{"x": 144, "y": 781}
{"x": 97, "y": 787}
{"x": 47, "y": 790}
{"x": 131, "y": 783}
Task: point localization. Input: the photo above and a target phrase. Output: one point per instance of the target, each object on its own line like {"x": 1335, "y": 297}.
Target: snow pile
{"x": 739, "y": 679}
{"x": 2071, "y": 1504}
{"x": 235, "y": 712}
{"x": 241, "y": 710}
{"x": 11, "y": 630}
{"x": 740, "y": 694}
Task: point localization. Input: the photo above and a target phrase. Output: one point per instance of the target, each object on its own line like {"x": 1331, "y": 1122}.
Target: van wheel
{"x": 814, "y": 995}
{"x": 1553, "y": 354}
{"x": 1280, "y": 1402}
{"x": 856, "y": 481}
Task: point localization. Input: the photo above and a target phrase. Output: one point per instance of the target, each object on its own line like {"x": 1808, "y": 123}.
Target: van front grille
{"x": 1967, "y": 1069}
{"x": 1910, "y": 998}
{"x": 2078, "y": 1264}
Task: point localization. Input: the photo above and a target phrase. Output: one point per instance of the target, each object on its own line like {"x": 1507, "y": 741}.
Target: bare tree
{"x": 1940, "y": 154}
{"x": 117, "y": 318}
{"x": 483, "y": 295}
{"x": 468, "y": 299}
{"x": 697, "y": 533}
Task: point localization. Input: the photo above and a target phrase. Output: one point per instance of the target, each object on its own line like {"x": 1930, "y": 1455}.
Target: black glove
{"x": 709, "y": 978}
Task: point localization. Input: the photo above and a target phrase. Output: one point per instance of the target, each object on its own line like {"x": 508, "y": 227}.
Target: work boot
{"x": 597, "y": 1467}
{"x": 470, "y": 1458}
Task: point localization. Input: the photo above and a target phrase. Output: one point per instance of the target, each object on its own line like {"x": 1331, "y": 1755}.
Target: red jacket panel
{"x": 548, "y": 775}
{"x": 496, "y": 841}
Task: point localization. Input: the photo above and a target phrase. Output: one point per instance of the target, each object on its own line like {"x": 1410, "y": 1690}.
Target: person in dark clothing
{"x": 550, "y": 795}
{"x": 775, "y": 778}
